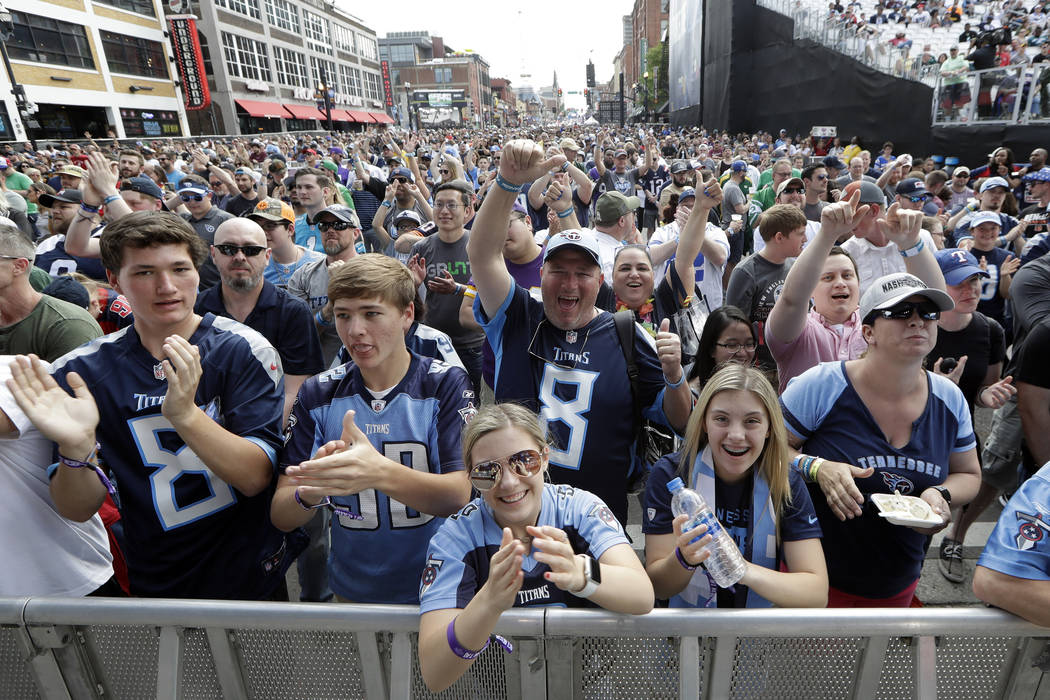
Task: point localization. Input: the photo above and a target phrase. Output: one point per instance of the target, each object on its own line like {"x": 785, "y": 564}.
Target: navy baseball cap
{"x": 833, "y": 162}
{"x": 958, "y": 265}
{"x": 738, "y": 166}
{"x": 912, "y": 187}
{"x": 402, "y": 172}
{"x": 142, "y": 185}
{"x": 687, "y": 193}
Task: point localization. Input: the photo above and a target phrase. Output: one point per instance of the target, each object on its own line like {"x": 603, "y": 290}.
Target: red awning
{"x": 304, "y": 112}
{"x": 381, "y": 117}
{"x": 266, "y": 110}
{"x": 340, "y": 115}
{"x": 360, "y": 117}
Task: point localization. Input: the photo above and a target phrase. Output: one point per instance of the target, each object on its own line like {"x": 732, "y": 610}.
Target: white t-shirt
{"x": 607, "y": 247}
{"x": 812, "y": 228}
{"x": 708, "y": 275}
{"x": 44, "y": 553}
{"x": 874, "y": 262}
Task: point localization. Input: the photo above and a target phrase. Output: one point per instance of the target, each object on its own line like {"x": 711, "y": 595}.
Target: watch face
{"x": 595, "y": 572}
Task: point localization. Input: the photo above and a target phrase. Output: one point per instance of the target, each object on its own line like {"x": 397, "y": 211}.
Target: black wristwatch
{"x": 945, "y": 493}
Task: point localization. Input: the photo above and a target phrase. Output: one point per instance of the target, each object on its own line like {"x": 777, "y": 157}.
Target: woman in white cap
{"x": 880, "y": 424}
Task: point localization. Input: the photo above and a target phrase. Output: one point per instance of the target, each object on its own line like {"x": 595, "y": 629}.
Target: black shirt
{"x": 983, "y": 344}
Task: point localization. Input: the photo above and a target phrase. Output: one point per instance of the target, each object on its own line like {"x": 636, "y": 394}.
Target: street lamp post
{"x": 408, "y": 104}
{"x": 326, "y": 96}
{"x": 7, "y": 30}
{"x": 645, "y": 95}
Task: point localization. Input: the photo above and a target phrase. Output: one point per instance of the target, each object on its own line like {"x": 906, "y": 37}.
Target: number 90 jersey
{"x": 418, "y": 424}
{"x": 188, "y": 533}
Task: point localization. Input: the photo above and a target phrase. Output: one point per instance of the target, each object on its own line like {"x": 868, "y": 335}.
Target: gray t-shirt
{"x": 754, "y": 288}
{"x": 812, "y": 211}
{"x": 732, "y": 196}
{"x": 443, "y": 309}
{"x": 205, "y": 228}
{"x": 310, "y": 283}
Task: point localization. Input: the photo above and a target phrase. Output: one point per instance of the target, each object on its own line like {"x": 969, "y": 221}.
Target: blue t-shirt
{"x": 282, "y": 319}
{"x": 992, "y": 303}
{"x": 733, "y": 509}
{"x": 278, "y": 274}
{"x": 188, "y": 534}
{"x": 1019, "y": 546}
{"x": 577, "y": 382}
{"x": 418, "y": 423}
{"x": 307, "y": 234}
{"x": 457, "y": 563}
{"x": 868, "y": 556}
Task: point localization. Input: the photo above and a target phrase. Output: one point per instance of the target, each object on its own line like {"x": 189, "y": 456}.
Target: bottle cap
{"x": 675, "y": 484}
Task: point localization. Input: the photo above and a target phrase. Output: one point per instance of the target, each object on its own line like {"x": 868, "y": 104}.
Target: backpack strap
{"x": 625, "y": 330}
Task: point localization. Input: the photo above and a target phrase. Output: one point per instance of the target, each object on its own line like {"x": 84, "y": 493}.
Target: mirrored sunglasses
{"x": 485, "y": 475}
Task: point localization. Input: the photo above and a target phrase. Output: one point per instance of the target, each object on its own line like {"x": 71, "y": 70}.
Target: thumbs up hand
{"x": 669, "y": 351}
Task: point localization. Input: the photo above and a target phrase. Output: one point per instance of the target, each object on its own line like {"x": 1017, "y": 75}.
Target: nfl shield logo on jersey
{"x": 158, "y": 370}
{"x": 378, "y": 405}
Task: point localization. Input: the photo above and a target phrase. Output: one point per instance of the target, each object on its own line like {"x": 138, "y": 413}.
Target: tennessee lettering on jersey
{"x": 900, "y": 462}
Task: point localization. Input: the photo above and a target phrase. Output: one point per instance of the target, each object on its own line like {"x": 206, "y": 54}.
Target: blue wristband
{"x": 111, "y": 198}
{"x": 320, "y": 319}
{"x": 507, "y": 185}
{"x": 565, "y": 214}
{"x": 675, "y": 385}
{"x": 914, "y": 250}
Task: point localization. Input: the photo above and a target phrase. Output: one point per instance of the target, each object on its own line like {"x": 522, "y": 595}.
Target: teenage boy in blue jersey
{"x": 187, "y": 411}
{"x": 561, "y": 356}
{"x": 376, "y": 440}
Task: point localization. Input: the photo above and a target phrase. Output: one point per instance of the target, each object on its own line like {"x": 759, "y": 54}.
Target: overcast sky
{"x": 541, "y": 37}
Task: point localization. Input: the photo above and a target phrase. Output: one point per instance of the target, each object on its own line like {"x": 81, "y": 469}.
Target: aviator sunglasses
{"x": 901, "y": 312}
{"x": 484, "y": 475}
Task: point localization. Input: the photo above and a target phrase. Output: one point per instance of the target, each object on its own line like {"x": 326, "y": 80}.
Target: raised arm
{"x": 584, "y": 186}
{"x": 598, "y": 164}
{"x": 904, "y": 227}
{"x": 521, "y": 161}
{"x": 693, "y": 241}
{"x": 788, "y": 317}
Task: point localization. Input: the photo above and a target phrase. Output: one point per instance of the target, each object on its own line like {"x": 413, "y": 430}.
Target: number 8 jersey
{"x": 417, "y": 423}
{"x": 188, "y": 533}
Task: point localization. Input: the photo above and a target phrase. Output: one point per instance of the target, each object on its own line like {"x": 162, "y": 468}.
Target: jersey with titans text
{"x": 417, "y": 423}
{"x": 457, "y": 563}
{"x": 577, "y": 381}
{"x": 188, "y": 533}
{"x": 52, "y": 258}
{"x": 868, "y": 556}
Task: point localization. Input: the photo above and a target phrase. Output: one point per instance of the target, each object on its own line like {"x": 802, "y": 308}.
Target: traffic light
{"x": 559, "y": 92}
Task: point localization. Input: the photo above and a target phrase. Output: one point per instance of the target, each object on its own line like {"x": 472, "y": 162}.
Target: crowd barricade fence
{"x": 140, "y": 648}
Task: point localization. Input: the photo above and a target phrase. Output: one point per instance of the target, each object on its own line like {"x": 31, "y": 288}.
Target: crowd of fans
{"x": 249, "y": 352}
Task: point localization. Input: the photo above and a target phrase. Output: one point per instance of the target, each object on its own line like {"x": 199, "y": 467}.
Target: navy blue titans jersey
{"x": 52, "y": 258}
{"x": 457, "y": 564}
{"x": 417, "y": 423}
{"x": 188, "y": 533}
{"x": 580, "y": 389}
{"x": 868, "y": 556}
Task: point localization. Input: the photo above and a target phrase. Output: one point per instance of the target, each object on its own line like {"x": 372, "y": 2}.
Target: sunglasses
{"x": 323, "y": 226}
{"x": 484, "y": 475}
{"x": 192, "y": 197}
{"x": 402, "y": 180}
{"x": 902, "y": 312}
{"x": 229, "y": 250}
{"x": 443, "y": 172}
{"x": 821, "y": 177}
{"x": 794, "y": 190}
{"x": 915, "y": 199}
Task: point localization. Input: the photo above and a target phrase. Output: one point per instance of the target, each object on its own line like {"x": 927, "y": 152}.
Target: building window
{"x": 133, "y": 55}
{"x": 351, "y": 80}
{"x": 317, "y": 36}
{"x": 45, "y": 40}
{"x": 283, "y": 15}
{"x": 249, "y": 8}
{"x": 442, "y": 75}
{"x": 291, "y": 67}
{"x": 245, "y": 58}
{"x": 367, "y": 46}
{"x": 402, "y": 53}
{"x": 371, "y": 86}
{"x": 345, "y": 39}
{"x": 142, "y": 7}
{"x": 330, "y": 77}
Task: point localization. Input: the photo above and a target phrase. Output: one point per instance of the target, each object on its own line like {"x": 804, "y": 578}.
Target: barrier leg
{"x": 44, "y": 667}
{"x": 689, "y": 667}
{"x": 532, "y": 669}
{"x": 373, "y": 675}
{"x": 871, "y": 660}
{"x": 926, "y": 668}
{"x": 560, "y": 656}
{"x": 721, "y": 677}
{"x": 227, "y": 663}
{"x": 169, "y": 663}
{"x": 1027, "y": 673}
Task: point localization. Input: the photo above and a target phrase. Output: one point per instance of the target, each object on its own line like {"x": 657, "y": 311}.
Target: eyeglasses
{"x": 402, "y": 180}
{"x": 451, "y": 206}
{"x": 794, "y": 190}
{"x": 193, "y": 197}
{"x": 13, "y": 257}
{"x": 229, "y": 250}
{"x": 902, "y": 312}
{"x": 323, "y": 226}
{"x": 915, "y": 199}
{"x": 485, "y": 475}
{"x": 735, "y": 347}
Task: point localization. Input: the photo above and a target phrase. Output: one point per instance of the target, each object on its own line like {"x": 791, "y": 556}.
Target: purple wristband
{"x": 681, "y": 560}
{"x": 464, "y": 653}
{"x": 77, "y": 464}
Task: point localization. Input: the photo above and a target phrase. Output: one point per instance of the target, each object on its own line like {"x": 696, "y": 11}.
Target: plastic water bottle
{"x": 726, "y": 565}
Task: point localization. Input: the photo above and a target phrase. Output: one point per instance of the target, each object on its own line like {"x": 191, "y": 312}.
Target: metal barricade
{"x": 119, "y": 648}
{"x": 992, "y": 96}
